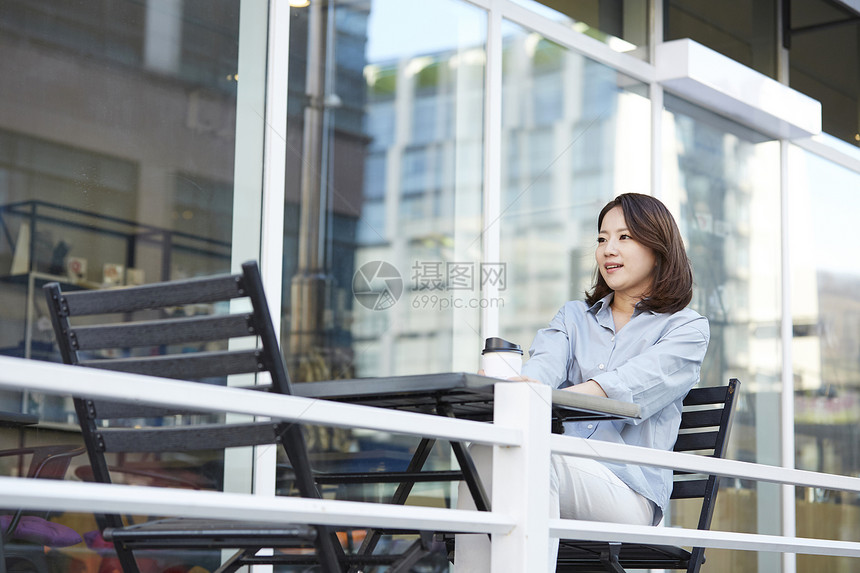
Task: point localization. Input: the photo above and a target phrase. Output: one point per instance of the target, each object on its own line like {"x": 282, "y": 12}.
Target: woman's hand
{"x": 590, "y": 387}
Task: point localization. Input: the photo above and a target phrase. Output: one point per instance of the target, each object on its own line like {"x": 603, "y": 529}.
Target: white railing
{"x": 519, "y": 523}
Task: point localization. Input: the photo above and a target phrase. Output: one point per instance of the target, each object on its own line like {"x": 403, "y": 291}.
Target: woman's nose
{"x": 610, "y": 247}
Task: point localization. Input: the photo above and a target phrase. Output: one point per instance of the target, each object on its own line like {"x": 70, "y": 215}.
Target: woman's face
{"x": 625, "y": 264}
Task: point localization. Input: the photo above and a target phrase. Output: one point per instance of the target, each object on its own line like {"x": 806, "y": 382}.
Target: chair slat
{"x": 591, "y": 556}
{"x": 103, "y": 410}
{"x": 709, "y": 395}
{"x": 185, "y": 367}
{"x": 106, "y": 410}
{"x": 701, "y": 418}
{"x": 689, "y": 488}
{"x": 696, "y": 441}
{"x": 200, "y": 533}
{"x": 130, "y": 299}
{"x": 390, "y": 477}
{"x": 186, "y": 438}
{"x": 158, "y": 332}
{"x": 583, "y": 556}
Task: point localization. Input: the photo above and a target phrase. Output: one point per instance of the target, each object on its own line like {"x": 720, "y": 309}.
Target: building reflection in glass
{"x": 117, "y": 138}
{"x": 384, "y": 188}
{"x": 826, "y": 345}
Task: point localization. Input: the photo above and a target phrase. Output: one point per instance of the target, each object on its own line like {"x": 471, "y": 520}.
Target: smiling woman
{"x": 561, "y": 136}
{"x": 624, "y": 264}
{"x": 632, "y": 339}
{"x": 641, "y": 257}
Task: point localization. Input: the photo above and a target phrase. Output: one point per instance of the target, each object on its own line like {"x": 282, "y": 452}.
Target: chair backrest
{"x": 46, "y": 462}
{"x": 705, "y": 425}
{"x": 192, "y": 330}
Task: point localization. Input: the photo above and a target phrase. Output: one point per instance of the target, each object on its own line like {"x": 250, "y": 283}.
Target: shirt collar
{"x": 602, "y": 304}
{"x": 601, "y": 312}
{"x": 601, "y": 307}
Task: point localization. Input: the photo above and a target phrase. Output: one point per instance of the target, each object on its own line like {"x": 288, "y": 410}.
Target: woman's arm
{"x": 590, "y": 387}
{"x": 549, "y": 356}
{"x": 661, "y": 373}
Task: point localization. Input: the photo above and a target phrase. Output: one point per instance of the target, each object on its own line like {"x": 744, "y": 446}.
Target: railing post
{"x": 521, "y": 478}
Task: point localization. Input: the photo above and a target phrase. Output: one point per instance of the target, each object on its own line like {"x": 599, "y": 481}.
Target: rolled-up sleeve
{"x": 662, "y": 373}
{"x": 550, "y": 353}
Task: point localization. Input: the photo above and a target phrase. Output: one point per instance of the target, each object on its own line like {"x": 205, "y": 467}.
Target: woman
{"x": 631, "y": 339}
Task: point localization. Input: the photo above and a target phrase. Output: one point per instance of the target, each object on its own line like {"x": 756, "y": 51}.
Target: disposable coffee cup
{"x": 501, "y": 359}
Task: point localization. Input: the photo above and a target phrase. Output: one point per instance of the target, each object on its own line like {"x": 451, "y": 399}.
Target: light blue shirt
{"x": 653, "y": 361}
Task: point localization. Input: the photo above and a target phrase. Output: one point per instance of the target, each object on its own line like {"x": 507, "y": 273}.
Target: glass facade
{"x": 383, "y": 214}
{"x": 566, "y": 120}
{"x": 825, "y": 318}
{"x": 121, "y": 160}
{"x": 720, "y": 178}
{"x": 444, "y": 164}
{"x": 116, "y": 151}
{"x": 820, "y": 39}
{"x": 383, "y": 205}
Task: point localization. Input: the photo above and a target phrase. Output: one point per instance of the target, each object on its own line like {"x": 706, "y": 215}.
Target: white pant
{"x": 580, "y": 488}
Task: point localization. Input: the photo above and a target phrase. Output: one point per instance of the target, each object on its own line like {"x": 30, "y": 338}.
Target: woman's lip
{"x": 612, "y": 267}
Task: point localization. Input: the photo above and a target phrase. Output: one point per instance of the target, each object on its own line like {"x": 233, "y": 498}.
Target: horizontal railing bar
{"x": 19, "y": 374}
{"x": 84, "y": 497}
{"x": 36, "y": 376}
{"x": 602, "y": 531}
{"x": 613, "y": 452}
{"x": 141, "y": 500}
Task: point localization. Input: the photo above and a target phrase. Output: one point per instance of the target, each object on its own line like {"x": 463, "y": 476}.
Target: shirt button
{"x": 590, "y": 426}
{"x": 601, "y": 366}
{"x": 612, "y": 339}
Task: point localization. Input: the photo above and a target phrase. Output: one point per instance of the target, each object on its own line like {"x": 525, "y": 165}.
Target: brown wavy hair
{"x": 651, "y": 224}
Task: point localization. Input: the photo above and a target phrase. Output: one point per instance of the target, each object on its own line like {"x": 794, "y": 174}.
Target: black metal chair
{"x": 184, "y": 330}
{"x": 705, "y": 425}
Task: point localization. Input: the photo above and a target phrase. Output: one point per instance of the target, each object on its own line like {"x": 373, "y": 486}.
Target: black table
{"x": 458, "y": 394}
{"x": 455, "y": 394}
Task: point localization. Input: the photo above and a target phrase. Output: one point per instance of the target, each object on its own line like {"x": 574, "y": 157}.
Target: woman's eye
{"x": 601, "y": 240}
{"x": 626, "y": 237}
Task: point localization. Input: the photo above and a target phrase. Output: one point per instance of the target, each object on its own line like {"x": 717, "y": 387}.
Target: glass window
{"x": 101, "y": 29}
{"x": 825, "y": 275}
{"x": 744, "y": 31}
{"x": 823, "y": 44}
{"x": 558, "y": 175}
{"x": 107, "y": 167}
{"x": 384, "y": 191}
{"x": 722, "y": 182}
{"x": 622, "y": 25}
{"x": 118, "y": 142}
{"x": 395, "y": 155}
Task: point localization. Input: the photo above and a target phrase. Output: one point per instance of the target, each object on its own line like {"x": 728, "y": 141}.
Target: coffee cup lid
{"x": 495, "y": 344}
